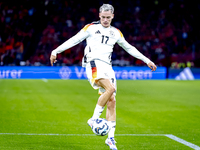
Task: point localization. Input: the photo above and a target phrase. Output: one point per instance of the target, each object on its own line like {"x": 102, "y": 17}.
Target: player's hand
{"x": 53, "y": 59}
{"x": 152, "y": 66}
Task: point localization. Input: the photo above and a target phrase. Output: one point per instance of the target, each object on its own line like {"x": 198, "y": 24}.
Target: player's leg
{"x": 111, "y": 117}
{"x": 111, "y": 109}
{"x": 109, "y": 90}
{"x": 104, "y": 97}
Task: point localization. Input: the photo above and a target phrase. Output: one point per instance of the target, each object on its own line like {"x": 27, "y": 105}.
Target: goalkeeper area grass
{"x": 53, "y": 114}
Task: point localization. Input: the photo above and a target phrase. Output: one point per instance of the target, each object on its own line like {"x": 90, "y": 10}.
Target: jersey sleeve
{"x": 131, "y": 49}
{"x": 76, "y": 39}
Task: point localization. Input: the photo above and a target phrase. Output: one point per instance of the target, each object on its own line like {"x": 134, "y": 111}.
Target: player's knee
{"x": 111, "y": 90}
{"x": 111, "y": 103}
{"x": 112, "y": 98}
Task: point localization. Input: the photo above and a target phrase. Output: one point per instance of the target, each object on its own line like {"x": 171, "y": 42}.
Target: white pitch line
{"x": 140, "y": 134}
{"x": 175, "y": 138}
{"x": 171, "y": 136}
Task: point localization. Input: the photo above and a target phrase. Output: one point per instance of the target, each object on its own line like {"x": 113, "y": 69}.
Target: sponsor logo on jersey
{"x": 97, "y": 32}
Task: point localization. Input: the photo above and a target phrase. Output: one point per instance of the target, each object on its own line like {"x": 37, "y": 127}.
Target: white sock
{"x": 97, "y": 111}
{"x": 112, "y": 125}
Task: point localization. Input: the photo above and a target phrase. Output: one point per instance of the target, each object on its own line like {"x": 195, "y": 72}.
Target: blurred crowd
{"x": 165, "y": 31}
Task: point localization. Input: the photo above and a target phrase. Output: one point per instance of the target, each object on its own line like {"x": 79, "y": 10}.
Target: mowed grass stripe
{"x": 64, "y": 106}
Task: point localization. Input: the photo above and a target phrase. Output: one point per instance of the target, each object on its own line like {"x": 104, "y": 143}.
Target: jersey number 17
{"x": 106, "y": 39}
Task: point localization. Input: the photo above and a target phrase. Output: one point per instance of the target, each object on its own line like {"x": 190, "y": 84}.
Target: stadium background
{"x": 165, "y": 31}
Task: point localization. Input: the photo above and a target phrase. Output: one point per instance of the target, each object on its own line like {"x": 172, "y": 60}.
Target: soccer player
{"x": 101, "y": 37}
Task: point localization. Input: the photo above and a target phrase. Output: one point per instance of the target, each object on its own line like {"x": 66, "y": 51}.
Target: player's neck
{"x": 106, "y": 26}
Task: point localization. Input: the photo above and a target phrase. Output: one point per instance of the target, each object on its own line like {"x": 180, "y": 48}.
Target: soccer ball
{"x": 100, "y": 127}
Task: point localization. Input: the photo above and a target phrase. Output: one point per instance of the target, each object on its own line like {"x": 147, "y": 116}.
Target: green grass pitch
{"x": 56, "y": 113}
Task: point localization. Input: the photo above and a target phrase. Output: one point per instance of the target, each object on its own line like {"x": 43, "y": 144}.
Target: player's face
{"x": 106, "y": 18}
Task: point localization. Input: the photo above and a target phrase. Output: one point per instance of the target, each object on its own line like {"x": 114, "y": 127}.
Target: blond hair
{"x": 106, "y": 7}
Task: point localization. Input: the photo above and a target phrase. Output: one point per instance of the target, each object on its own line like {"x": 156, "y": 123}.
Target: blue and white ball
{"x": 101, "y": 127}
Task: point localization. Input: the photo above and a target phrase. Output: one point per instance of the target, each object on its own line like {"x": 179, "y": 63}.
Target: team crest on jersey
{"x": 112, "y": 33}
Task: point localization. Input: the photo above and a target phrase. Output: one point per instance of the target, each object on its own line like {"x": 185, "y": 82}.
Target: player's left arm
{"x": 135, "y": 53}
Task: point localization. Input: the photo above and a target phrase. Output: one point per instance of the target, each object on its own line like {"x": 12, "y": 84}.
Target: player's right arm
{"x": 79, "y": 37}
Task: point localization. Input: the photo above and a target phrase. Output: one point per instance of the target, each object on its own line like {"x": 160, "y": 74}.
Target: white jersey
{"x": 100, "y": 43}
